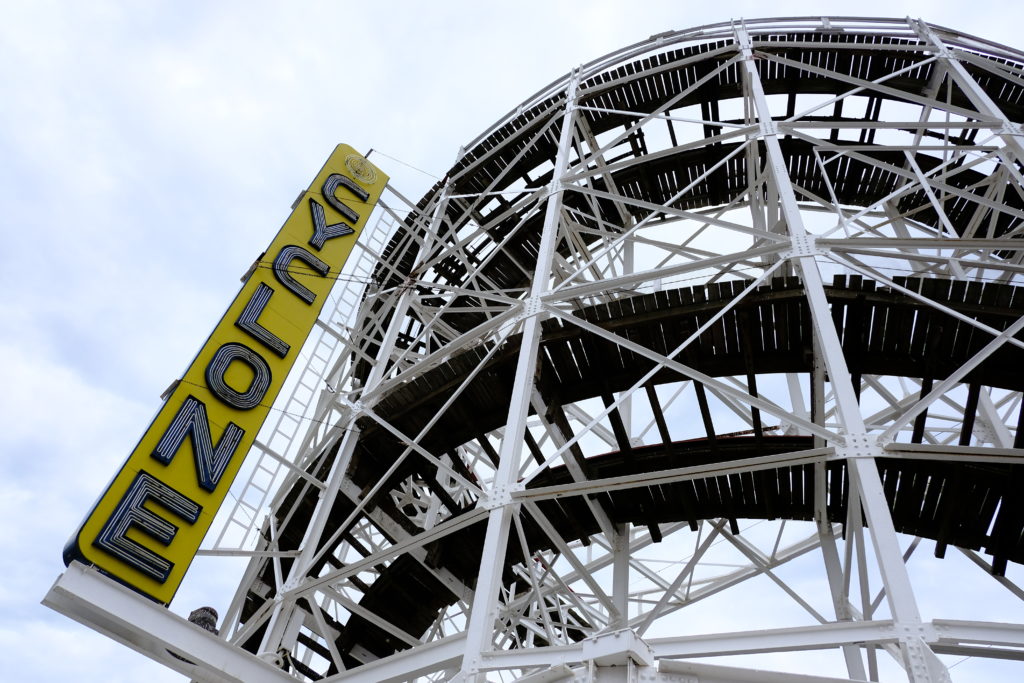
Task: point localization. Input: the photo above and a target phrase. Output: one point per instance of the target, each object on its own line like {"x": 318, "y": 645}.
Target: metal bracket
{"x": 1011, "y": 128}
{"x": 858, "y": 446}
{"x": 617, "y": 648}
{"x": 531, "y": 307}
{"x": 802, "y": 245}
{"x": 496, "y": 497}
{"x": 922, "y": 662}
{"x": 356, "y": 407}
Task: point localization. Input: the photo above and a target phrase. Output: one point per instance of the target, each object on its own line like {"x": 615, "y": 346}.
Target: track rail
{"x": 691, "y": 194}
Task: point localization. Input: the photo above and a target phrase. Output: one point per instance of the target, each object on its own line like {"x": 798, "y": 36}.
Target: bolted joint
{"x": 922, "y": 664}
{"x": 916, "y": 631}
{"x": 354, "y": 407}
{"x": 275, "y": 659}
{"x": 499, "y": 496}
{"x": 1011, "y": 128}
{"x": 618, "y": 648}
{"x": 555, "y": 187}
{"x": 803, "y": 244}
{"x": 858, "y": 445}
{"x": 531, "y": 307}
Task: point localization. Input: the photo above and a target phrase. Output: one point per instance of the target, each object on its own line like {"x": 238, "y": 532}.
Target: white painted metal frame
{"x": 617, "y": 604}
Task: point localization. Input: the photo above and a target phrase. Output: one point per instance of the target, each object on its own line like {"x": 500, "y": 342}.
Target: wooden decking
{"x": 883, "y": 332}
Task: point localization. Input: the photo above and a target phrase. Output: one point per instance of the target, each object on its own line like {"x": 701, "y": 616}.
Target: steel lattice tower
{"x": 734, "y": 306}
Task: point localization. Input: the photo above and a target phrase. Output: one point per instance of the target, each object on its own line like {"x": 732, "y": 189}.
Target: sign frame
{"x": 147, "y": 526}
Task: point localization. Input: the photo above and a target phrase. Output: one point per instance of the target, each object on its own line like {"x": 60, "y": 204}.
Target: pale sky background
{"x": 148, "y": 153}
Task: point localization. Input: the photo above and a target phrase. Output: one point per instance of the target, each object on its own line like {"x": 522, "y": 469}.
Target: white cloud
{"x": 150, "y": 151}
{"x": 61, "y": 650}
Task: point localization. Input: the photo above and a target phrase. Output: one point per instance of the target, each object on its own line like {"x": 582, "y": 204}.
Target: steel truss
{"x": 729, "y": 313}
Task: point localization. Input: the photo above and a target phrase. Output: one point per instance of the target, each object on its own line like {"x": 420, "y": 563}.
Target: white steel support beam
{"x": 101, "y": 603}
{"x": 921, "y": 664}
{"x": 447, "y": 527}
{"x": 407, "y": 665}
{"x": 713, "y": 673}
{"x": 1010, "y": 132}
{"x": 485, "y": 599}
{"x": 620, "y": 572}
{"x": 816, "y": 637}
{"x": 275, "y": 636}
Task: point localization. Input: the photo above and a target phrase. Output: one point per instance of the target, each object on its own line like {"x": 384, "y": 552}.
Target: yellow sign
{"x": 148, "y": 525}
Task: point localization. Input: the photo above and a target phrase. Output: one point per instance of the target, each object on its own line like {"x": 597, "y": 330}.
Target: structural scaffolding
{"x": 733, "y": 310}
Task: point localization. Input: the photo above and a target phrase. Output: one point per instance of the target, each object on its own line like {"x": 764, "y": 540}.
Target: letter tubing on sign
{"x": 210, "y": 462}
{"x": 249, "y": 321}
{"x": 331, "y": 185}
{"x": 321, "y": 231}
{"x": 243, "y": 400}
{"x": 283, "y": 262}
{"x": 131, "y": 513}
{"x": 226, "y": 392}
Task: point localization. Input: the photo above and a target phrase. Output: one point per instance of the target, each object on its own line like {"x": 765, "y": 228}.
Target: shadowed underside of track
{"x": 518, "y": 154}
{"x": 883, "y": 331}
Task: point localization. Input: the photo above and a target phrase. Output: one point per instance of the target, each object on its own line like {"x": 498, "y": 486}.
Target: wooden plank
{"x": 688, "y": 494}
{"x": 784, "y": 501}
{"x": 970, "y": 414}
{"x": 1009, "y": 523}
{"x": 919, "y": 422}
{"x": 488, "y": 449}
{"x": 705, "y": 414}
{"x": 618, "y": 426}
{"x": 783, "y": 309}
{"x": 534, "y": 448}
{"x": 949, "y": 507}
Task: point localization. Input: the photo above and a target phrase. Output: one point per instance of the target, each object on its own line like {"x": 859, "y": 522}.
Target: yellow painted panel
{"x": 131, "y": 549}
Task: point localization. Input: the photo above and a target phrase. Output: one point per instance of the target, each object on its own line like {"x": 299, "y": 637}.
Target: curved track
{"x": 682, "y": 228}
{"x": 883, "y": 334}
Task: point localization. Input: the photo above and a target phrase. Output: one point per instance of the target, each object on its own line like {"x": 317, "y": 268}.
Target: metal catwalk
{"x": 738, "y": 306}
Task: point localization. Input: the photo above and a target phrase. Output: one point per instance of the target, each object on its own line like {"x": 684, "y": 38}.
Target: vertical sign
{"x": 146, "y": 528}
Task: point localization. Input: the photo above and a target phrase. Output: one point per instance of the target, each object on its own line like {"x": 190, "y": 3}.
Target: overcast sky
{"x": 148, "y": 153}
